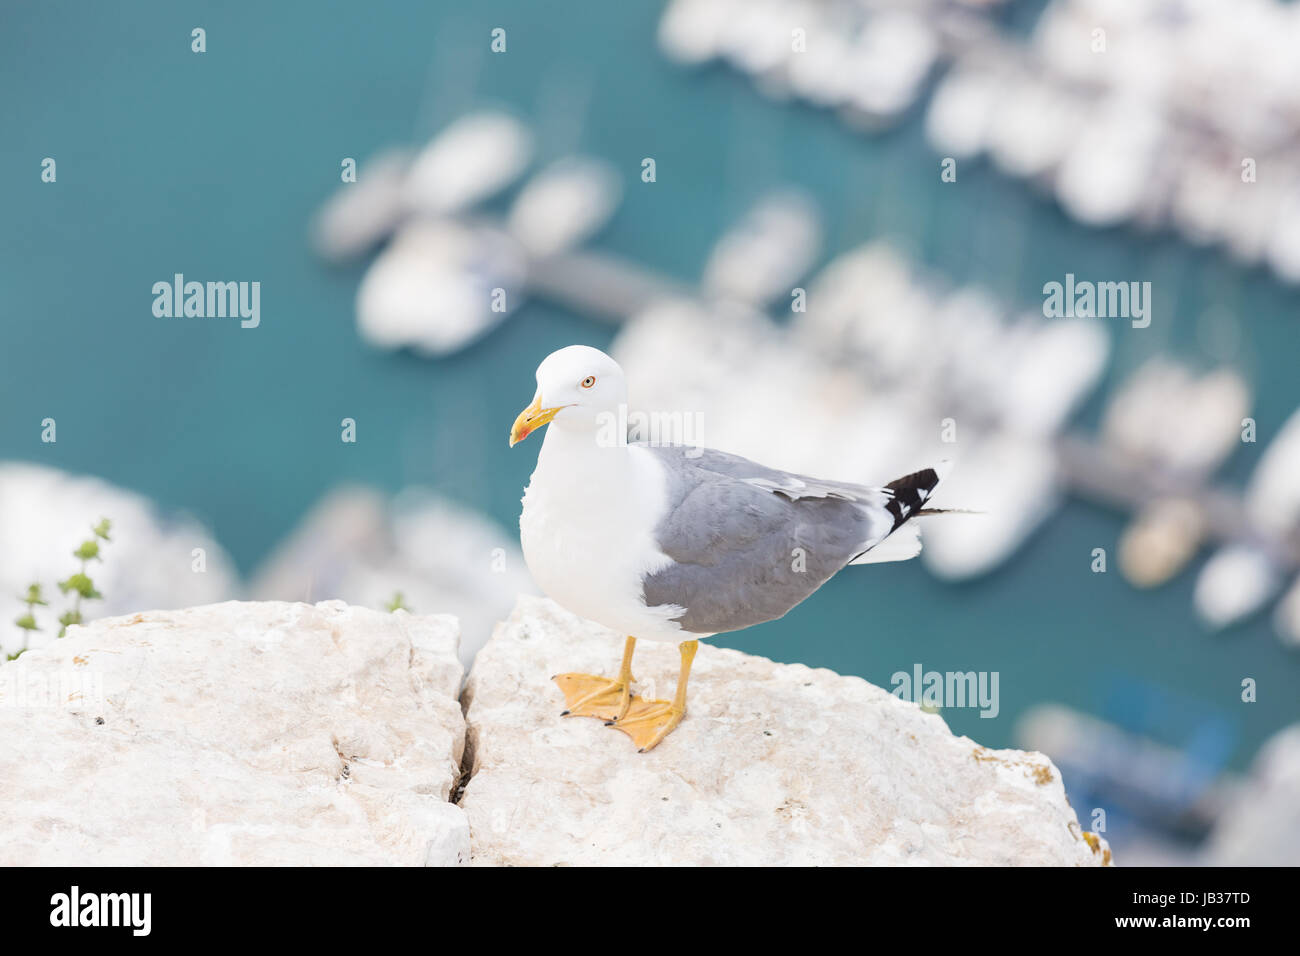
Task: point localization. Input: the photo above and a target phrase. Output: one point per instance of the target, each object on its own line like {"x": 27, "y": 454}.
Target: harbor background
{"x": 213, "y": 165}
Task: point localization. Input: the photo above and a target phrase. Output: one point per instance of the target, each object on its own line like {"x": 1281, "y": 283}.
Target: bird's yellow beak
{"x": 530, "y": 419}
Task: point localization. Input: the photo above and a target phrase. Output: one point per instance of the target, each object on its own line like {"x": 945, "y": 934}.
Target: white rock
{"x": 244, "y": 734}
{"x": 774, "y": 764}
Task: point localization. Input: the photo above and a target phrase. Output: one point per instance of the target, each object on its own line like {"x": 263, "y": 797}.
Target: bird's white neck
{"x": 580, "y": 456}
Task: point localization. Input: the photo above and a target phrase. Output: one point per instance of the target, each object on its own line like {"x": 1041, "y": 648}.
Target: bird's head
{"x": 576, "y": 386}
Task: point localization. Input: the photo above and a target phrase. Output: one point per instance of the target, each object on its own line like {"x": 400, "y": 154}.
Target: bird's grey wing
{"x": 749, "y": 542}
{"x": 784, "y": 483}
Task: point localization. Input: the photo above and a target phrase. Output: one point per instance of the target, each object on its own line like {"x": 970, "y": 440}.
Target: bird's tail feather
{"x": 907, "y": 495}
{"x": 901, "y": 544}
{"x": 906, "y": 499}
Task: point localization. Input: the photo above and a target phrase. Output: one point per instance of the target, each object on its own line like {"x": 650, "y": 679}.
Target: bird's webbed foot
{"x": 587, "y": 695}
{"x": 648, "y": 722}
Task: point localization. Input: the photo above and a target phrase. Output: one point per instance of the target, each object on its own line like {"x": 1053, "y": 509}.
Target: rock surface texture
{"x": 774, "y": 764}
{"x": 235, "y": 733}
{"x": 273, "y": 733}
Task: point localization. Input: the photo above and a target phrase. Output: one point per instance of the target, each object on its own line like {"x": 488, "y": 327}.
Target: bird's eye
{"x": 589, "y": 381}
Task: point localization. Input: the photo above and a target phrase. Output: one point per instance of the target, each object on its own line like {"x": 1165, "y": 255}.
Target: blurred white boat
{"x": 1286, "y": 619}
{"x": 692, "y": 32}
{"x": 762, "y": 257}
{"x": 820, "y": 74}
{"x": 1031, "y": 129}
{"x": 1014, "y": 484}
{"x": 1242, "y": 577}
{"x": 1261, "y": 825}
{"x": 471, "y": 160}
{"x": 153, "y": 561}
{"x": 757, "y": 37}
{"x": 1248, "y": 225}
{"x": 443, "y": 283}
{"x": 362, "y": 214}
{"x": 1177, "y": 427}
{"x": 1171, "y": 427}
{"x": 959, "y": 119}
{"x": 1161, "y": 540}
{"x": 1273, "y": 493}
{"x": 1236, "y": 582}
{"x": 433, "y": 289}
{"x": 1170, "y": 419}
{"x": 1106, "y": 174}
{"x": 888, "y": 65}
{"x": 1284, "y": 242}
{"x": 866, "y": 307}
{"x": 564, "y": 205}
{"x": 1202, "y": 197}
{"x": 358, "y": 546}
{"x": 1050, "y": 367}
{"x": 870, "y": 61}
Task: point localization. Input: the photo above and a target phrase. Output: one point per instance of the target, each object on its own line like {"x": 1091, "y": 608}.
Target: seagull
{"x": 676, "y": 542}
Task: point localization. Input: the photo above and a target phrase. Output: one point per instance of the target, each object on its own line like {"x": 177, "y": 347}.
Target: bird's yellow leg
{"x": 590, "y": 696}
{"x": 649, "y": 721}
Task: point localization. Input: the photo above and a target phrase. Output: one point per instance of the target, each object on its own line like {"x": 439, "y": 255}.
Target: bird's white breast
{"x": 587, "y": 531}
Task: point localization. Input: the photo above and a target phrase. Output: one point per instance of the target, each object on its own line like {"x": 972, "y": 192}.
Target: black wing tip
{"x": 910, "y": 492}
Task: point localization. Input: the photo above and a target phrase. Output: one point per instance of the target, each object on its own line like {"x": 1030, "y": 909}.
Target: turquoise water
{"x": 213, "y": 164}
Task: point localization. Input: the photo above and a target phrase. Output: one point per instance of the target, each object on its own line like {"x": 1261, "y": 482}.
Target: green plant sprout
{"x": 398, "y": 603}
{"x": 27, "y": 622}
{"x": 78, "y": 583}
